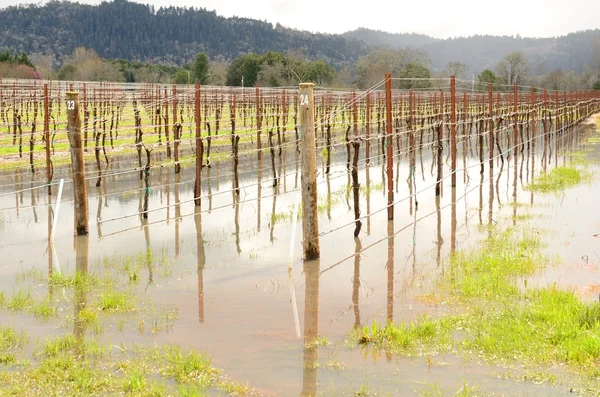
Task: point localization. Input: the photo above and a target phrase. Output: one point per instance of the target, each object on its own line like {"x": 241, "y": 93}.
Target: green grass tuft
{"x": 44, "y": 310}
{"x": 20, "y": 301}
{"x": 114, "y": 301}
{"x": 558, "y": 179}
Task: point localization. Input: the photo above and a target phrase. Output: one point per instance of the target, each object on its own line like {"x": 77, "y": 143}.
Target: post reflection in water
{"x": 356, "y": 282}
{"x": 33, "y": 200}
{"x": 209, "y": 185}
{"x": 515, "y": 193}
{"x": 168, "y": 194}
{"x": 297, "y": 162}
{"x": 521, "y": 168}
{"x": 328, "y": 197}
{"x": 201, "y": 260}
{"x": 498, "y": 185}
{"x": 50, "y": 245}
{"x": 481, "y": 198}
{"x": 453, "y": 223}
{"x": 259, "y": 194}
{"x": 177, "y": 215}
{"x": 390, "y": 278}
{"x": 368, "y": 179}
{"x": 99, "y": 211}
{"x": 149, "y": 264}
{"x": 80, "y": 294}
{"x": 273, "y": 217}
{"x": 19, "y": 187}
{"x": 311, "y": 328}
{"x": 236, "y": 205}
{"x": 491, "y": 198}
{"x": 440, "y": 241}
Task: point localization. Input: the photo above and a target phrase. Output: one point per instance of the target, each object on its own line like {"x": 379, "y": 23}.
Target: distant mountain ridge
{"x": 479, "y": 52}
{"x": 123, "y": 29}
{"x": 378, "y": 38}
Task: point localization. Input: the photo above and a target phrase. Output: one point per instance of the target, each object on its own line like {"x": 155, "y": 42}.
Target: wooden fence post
{"x": 515, "y": 103}
{"x": 533, "y": 112}
{"x": 310, "y": 220}
{"x": 368, "y": 130}
{"x": 491, "y": 123}
{"x": 197, "y": 186}
{"x": 390, "y": 154}
{"x": 77, "y": 165}
{"x": 47, "y": 137}
{"x": 258, "y": 123}
{"x": 453, "y": 126}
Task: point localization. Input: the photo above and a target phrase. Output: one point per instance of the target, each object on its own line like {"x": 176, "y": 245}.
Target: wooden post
{"x": 175, "y": 104}
{"x": 85, "y": 119}
{"x": 166, "y": 118}
{"x": 440, "y": 148}
{"x": 533, "y": 114}
{"x": 258, "y": 123}
{"x": 197, "y": 186}
{"x": 390, "y": 159}
{"x": 491, "y": 123}
{"x": 515, "y": 122}
{"x": 453, "y": 126}
{"x": 77, "y": 166}
{"x": 354, "y": 114}
{"x": 47, "y": 137}
{"x": 368, "y": 129}
{"x": 310, "y": 220}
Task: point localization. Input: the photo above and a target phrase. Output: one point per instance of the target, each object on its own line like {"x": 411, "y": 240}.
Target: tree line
{"x": 410, "y": 68}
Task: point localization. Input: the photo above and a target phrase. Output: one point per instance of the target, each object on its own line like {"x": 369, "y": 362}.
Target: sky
{"x": 438, "y": 18}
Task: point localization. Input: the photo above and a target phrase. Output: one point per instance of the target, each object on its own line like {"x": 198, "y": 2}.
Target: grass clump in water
{"x": 114, "y": 301}
{"x": 11, "y": 339}
{"x": 44, "y": 310}
{"x": 78, "y": 280}
{"x": 500, "y": 321}
{"x": 20, "y": 300}
{"x": 55, "y": 346}
{"x": 191, "y": 366}
{"x": 558, "y": 179}
{"x": 490, "y": 271}
{"x": 552, "y": 327}
{"x": 407, "y": 338}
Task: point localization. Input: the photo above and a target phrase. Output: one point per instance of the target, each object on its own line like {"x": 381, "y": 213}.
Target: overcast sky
{"x": 439, "y": 18}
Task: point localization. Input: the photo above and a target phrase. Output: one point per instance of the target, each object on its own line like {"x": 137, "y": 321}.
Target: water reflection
{"x": 356, "y": 283}
{"x": 50, "y": 245}
{"x": 364, "y": 309}
{"x": 453, "y": 223}
{"x": 311, "y": 328}
{"x": 259, "y": 192}
{"x": 33, "y": 198}
{"x": 515, "y": 190}
{"x": 390, "y": 277}
{"x": 368, "y": 197}
{"x": 236, "y": 220}
{"x": 440, "y": 240}
{"x": 273, "y": 215}
{"x": 148, "y": 254}
{"x": 177, "y": 215}
{"x": 201, "y": 261}
{"x": 80, "y": 294}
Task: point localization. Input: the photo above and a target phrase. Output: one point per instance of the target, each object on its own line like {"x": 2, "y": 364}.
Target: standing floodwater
{"x": 158, "y": 273}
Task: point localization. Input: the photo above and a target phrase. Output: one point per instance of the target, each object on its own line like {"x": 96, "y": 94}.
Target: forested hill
{"x": 137, "y": 32}
{"x": 122, "y": 29}
{"x": 479, "y": 52}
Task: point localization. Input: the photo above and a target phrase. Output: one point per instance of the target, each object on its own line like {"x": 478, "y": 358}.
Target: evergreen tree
{"x": 200, "y": 68}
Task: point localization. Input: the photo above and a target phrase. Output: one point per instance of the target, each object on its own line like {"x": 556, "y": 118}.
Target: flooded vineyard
{"x": 164, "y": 296}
